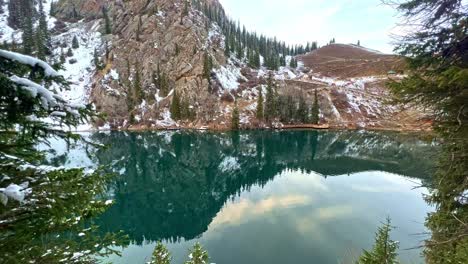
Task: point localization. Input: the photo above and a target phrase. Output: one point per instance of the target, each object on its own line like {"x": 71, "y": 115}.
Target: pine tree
{"x": 138, "y": 31}
{"x": 53, "y": 8}
{"x": 107, "y": 22}
{"x": 63, "y": 58}
{"x": 359, "y": 43}
{"x": 27, "y": 101}
{"x": 28, "y": 36}
{"x": 161, "y": 255}
{"x": 384, "y": 250}
{"x": 293, "y": 63}
{"x": 315, "y": 111}
{"x": 43, "y": 44}
{"x": 185, "y": 11}
{"x": 75, "y": 43}
{"x": 270, "y": 102}
{"x": 137, "y": 89}
{"x": 302, "y": 111}
{"x": 69, "y": 52}
{"x": 96, "y": 60}
{"x": 15, "y": 16}
{"x": 260, "y": 113}
{"x": 198, "y": 255}
{"x": 235, "y": 118}
{"x": 175, "y": 106}
{"x": 207, "y": 66}
{"x": 227, "y": 49}
{"x": 437, "y": 79}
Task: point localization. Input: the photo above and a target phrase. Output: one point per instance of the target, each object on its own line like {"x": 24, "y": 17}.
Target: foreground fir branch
{"x": 437, "y": 52}
{"x": 43, "y": 207}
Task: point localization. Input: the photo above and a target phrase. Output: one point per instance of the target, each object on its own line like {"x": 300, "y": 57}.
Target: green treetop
{"x": 384, "y": 250}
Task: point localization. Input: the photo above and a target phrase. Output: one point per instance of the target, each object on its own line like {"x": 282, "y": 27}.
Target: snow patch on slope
{"x": 229, "y": 76}
{"x": 81, "y": 72}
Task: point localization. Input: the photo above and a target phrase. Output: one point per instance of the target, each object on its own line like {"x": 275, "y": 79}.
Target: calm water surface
{"x": 265, "y": 197}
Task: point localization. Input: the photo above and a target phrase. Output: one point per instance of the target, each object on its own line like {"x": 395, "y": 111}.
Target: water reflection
{"x": 176, "y": 186}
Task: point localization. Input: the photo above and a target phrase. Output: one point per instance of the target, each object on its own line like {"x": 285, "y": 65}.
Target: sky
{"x": 300, "y": 21}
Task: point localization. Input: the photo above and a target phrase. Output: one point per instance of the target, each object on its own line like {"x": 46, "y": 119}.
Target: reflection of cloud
{"x": 310, "y": 180}
{"x": 333, "y": 212}
{"x": 312, "y": 222}
{"x": 245, "y": 209}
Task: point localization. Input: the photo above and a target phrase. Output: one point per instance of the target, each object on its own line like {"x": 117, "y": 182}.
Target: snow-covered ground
{"x": 79, "y": 68}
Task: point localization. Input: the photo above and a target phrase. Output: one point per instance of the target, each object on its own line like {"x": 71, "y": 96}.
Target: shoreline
{"x": 323, "y": 127}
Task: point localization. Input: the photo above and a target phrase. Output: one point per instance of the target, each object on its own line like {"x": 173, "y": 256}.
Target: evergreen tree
{"x": 96, "y": 60}
{"x": 28, "y": 36}
{"x": 14, "y": 14}
{"x": 75, "y": 43}
{"x": 53, "y": 8}
{"x": 384, "y": 250}
{"x": 227, "y": 49}
{"x": 290, "y": 109}
{"x": 63, "y": 58}
{"x": 107, "y": 22}
{"x": 270, "y": 102}
{"x": 260, "y": 112}
{"x": 359, "y": 43}
{"x": 175, "y": 106}
{"x": 293, "y": 63}
{"x": 207, "y": 66}
{"x": 69, "y": 52}
{"x": 315, "y": 111}
{"x": 235, "y": 118}
{"x": 302, "y": 111}
{"x": 198, "y": 255}
{"x": 42, "y": 34}
{"x": 185, "y": 11}
{"x": 161, "y": 255}
{"x": 138, "y": 31}
{"x": 26, "y": 103}
{"x": 437, "y": 78}
{"x": 138, "y": 94}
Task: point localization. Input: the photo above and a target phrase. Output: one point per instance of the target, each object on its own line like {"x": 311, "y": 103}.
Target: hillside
{"x": 348, "y": 61}
{"x": 134, "y": 56}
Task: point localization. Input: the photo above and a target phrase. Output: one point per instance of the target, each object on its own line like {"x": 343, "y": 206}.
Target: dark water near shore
{"x": 265, "y": 197}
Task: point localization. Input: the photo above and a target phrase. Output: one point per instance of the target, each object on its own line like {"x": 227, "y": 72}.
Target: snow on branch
{"x": 48, "y": 98}
{"x": 28, "y": 60}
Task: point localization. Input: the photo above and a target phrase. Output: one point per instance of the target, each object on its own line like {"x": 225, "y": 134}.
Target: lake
{"x": 264, "y": 196}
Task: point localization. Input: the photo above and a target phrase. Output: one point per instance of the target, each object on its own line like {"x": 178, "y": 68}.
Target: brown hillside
{"x": 347, "y": 61}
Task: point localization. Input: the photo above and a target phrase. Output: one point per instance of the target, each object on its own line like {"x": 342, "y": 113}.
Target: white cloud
{"x": 299, "y": 21}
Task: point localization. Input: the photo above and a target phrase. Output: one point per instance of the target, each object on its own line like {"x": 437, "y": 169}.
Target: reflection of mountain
{"x": 173, "y": 184}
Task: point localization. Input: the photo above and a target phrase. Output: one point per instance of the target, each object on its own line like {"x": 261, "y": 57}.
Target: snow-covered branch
{"x": 48, "y": 98}
{"x": 31, "y": 61}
